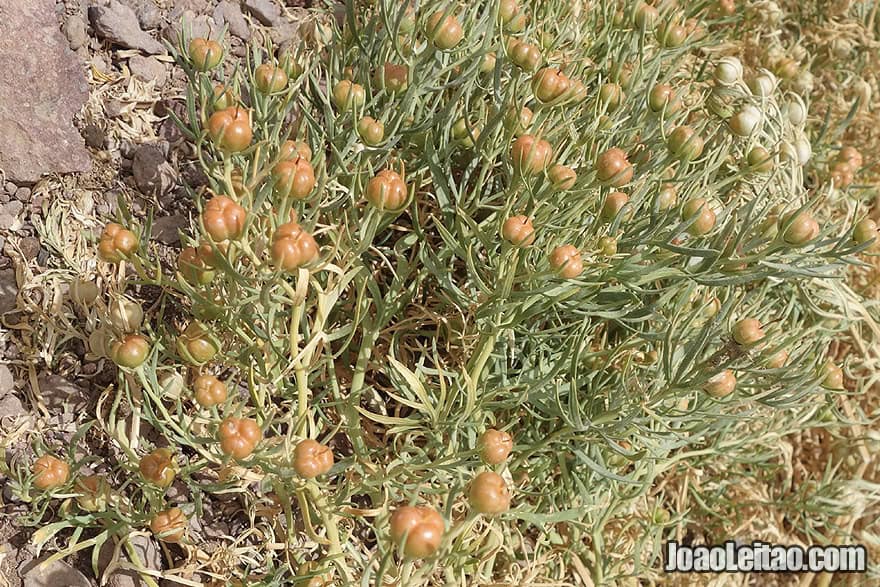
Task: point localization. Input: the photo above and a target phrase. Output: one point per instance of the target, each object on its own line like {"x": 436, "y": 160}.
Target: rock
{"x": 147, "y": 551}
{"x": 11, "y": 409}
{"x": 7, "y": 221}
{"x": 8, "y": 290}
{"x": 36, "y": 574}
{"x": 23, "y": 194}
{"x": 229, "y": 13}
{"x": 119, "y": 24}
{"x": 285, "y": 35}
{"x": 30, "y": 247}
{"x": 149, "y": 15}
{"x": 152, "y": 173}
{"x": 167, "y": 229}
{"x": 13, "y": 208}
{"x": 94, "y": 136}
{"x": 75, "y": 30}
{"x": 148, "y": 68}
{"x": 9, "y": 187}
{"x": 7, "y": 381}
{"x": 192, "y": 26}
{"x": 194, "y": 6}
{"x": 63, "y": 398}
{"x": 265, "y": 11}
{"x": 39, "y": 102}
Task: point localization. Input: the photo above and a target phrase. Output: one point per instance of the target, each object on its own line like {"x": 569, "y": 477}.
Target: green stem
{"x": 349, "y": 408}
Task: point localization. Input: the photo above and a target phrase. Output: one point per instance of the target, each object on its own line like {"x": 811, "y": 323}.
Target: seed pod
{"x": 444, "y": 31}
{"x": 465, "y": 133}
{"x": 348, "y": 95}
{"x": 205, "y": 54}
{"x": 209, "y": 391}
{"x": 831, "y": 376}
{"x": 747, "y": 332}
{"x": 392, "y": 78}
{"x": 125, "y": 315}
{"x": 518, "y": 120}
{"x": 387, "y": 191}
{"x": 614, "y": 203}
{"x": 169, "y": 525}
{"x": 524, "y": 55}
{"x": 518, "y": 231}
{"x": 230, "y": 129}
{"x": 50, "y": 472}
{"x": 865, "y": 231}
{"x": 566, "y": 260}
{"x": 728, "y": 71}
{"x": 802, "y": 229}
{"x": 684, "y": 143}
{"x": 371, "y": 131}
{"x": 550, "y": 84}
{"x": 83, "y": 291}
{"x": 662, "y": 97}
{"x": 760, "y": 160}
{"x": 495, "y": 446}
{"x": 193, "y": 267}
{"x": 311, "y": 459}
{"x": 611, "y": 96}
{"x": 645, "y": 16}
{"x": 116, "y": 243}
{"x": 94, "y": 493}
{"x": 488, "y": 494}
{"x": 223, "y": 219}
{"x": 158, "y": 467}
{"x": 239, "y": 437}
{"x": 667, "y": 197}
{"x": 777, "y": 360}
{"x": 744, "y": 122}
{"x": 223, "y": 97}
{"x": 294, "y": 150}
{"x": 530, "y": 155}
{"x": 270, "y": 79}
{"x": 613, "y": 168}
{"x": 608, "y": 246}
{"x": 196, "y": 345}
{"x": 130, "y": 352}
{"x": 422, "y": 528}
{"x": 293, "y": 247}
{"x": 721, "y": 384}
{"x": 705, "y": 217}
{"x": 488, "y": 63}
{"x": 562, "y": 177}
{"x": 294, "y": 178}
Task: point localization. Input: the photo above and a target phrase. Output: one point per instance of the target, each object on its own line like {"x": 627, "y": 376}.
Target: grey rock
{"x": 265, "y": 11}
{"x": 147, "y": 551}
{"x": 7, "y": 221}
{"x": 284, "y": 35}
{"x": 13, "y": 208}
{"x": 9, "y": 187}
{"x": 167, "y": 229}
{"x": 39, "y": 102}
{"x": 7, "y": 381}
{"x": 192, "y": 26}
{"x": 152, "y": 173}
{"x": 194, "y": 6}
{"x": 148, "y": 68}
{"x": 30, "y": 247}
{"x": 37, "y": 574}
{"x": 100, "y": 63}
{"x": 149, "y": 15}
{"x": 119, "y": 24}
{"x": 94, "y": 136}
{"x": 229, "y": 13}
{"x": 75, "y": 30}
{"x": 10, "y": 408}
{"x": 23, "y": 194}
{"x": 8, "y": 290}
{"x": 63, "y": 398}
